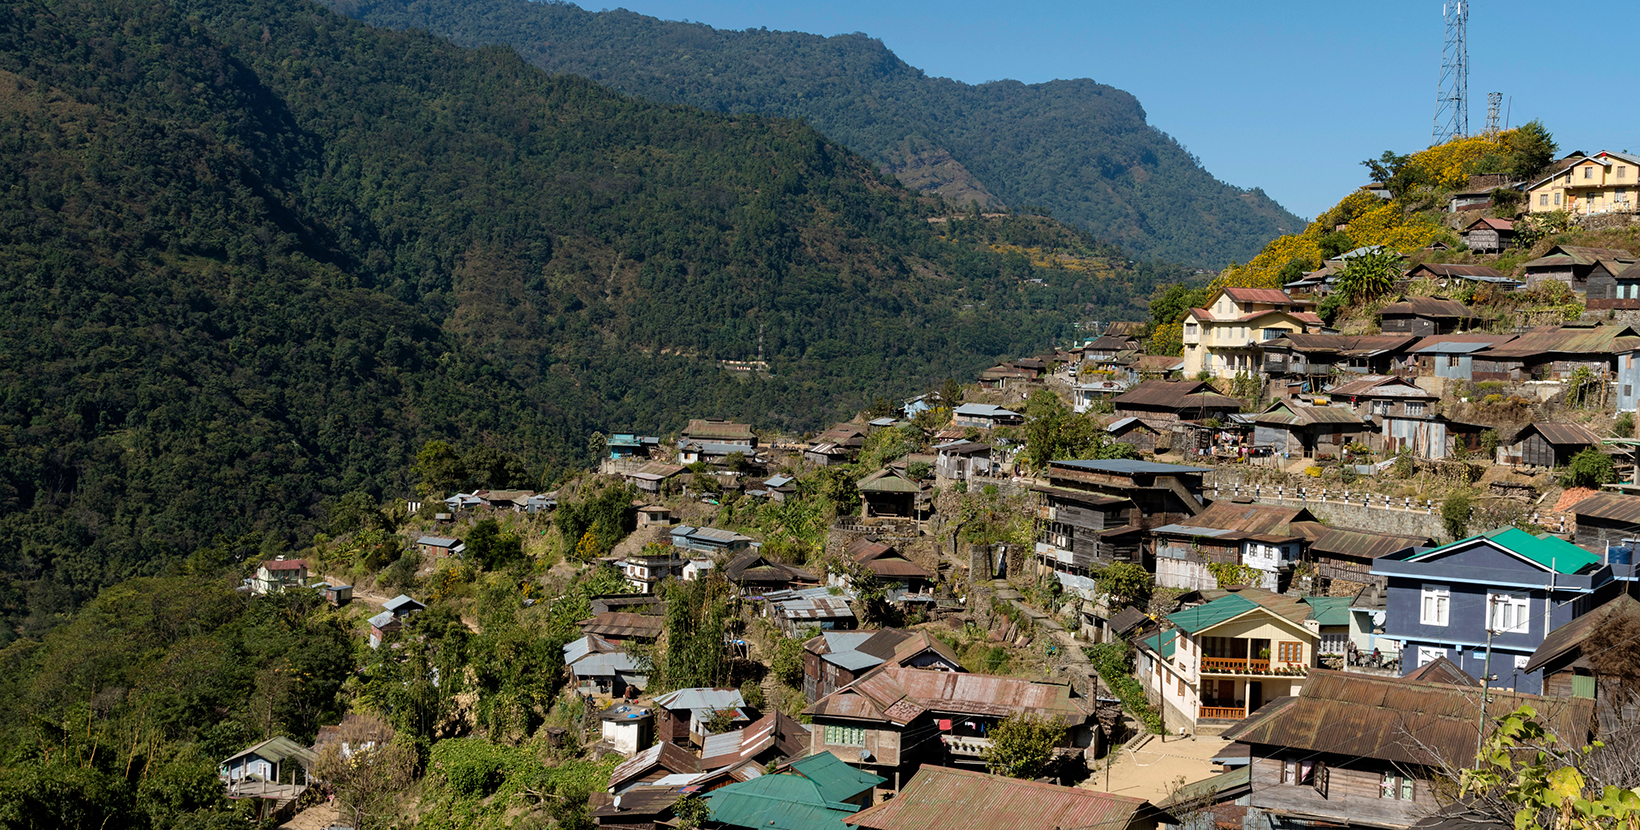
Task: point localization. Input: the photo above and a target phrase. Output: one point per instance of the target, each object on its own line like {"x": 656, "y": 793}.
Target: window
{"x": 1389, "y": 786}
{"x": 845, "y": 736}
{"x": 1290, "y": 652}
{"x": 1588, "y": 172}
{"x": 1508, "y": 613}
{"x": 1380, "y": 407}
{"x": 1436, "y": 601}
{"x": 1181, "y": 687}
{"x": 1543, "y": 199}
{"x": 1557, "y": 198}
{"x": 1622, "y": 171}
{"x": 1427, "y": 655}
{"x": 1296, "y": 772}
{"x": 1189, "y": 328}
{"x": 1622, "y": 195}
{"x": 1415, "y": 408}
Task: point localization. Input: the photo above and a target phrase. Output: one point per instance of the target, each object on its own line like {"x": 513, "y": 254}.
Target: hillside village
{"x": 1303, "y": 554}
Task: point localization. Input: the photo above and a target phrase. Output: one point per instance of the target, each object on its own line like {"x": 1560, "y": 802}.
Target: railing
{"x": 1239, "y": 665}
{"x": 965, "y": 745}
{"x": 1222, "y": 713}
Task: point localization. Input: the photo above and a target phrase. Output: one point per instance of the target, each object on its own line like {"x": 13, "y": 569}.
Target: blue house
{"x": 1444, "y": 601}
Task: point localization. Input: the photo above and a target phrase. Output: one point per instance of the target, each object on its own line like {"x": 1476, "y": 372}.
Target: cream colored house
{"x": 1227, "y": 336}
{"x": 1602, "y": 183}
{"x": 1227, "y": 658}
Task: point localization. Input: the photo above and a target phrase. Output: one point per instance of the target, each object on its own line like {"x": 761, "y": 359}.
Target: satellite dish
{"x": 617, "y": 802}
{"x": 864, "y": 755}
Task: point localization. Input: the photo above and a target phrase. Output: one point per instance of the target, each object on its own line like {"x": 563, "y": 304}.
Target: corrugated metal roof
{"x": 1615, "y": 506}
{"x": 1329, "y": 610}
{"x": 1572, "y": 634}
{"x": 277, "y": 749}
{"x": 1270, "y": 296}
{"x": 1292, "y": 413}
{"x": 1190, "y": 530}
{"x": 1429, "y": 307}
{"x": 810, "y": 794}
{"x": 1442, "y": 269}
{"x": 1565, "y": 340}
{"x": 888, "y": 480}
{"x": 1176, "y": 394}
{"x": 664, "y": 755}
{"x": 701, "y": 698}
{"x": 623, "y": 624}
{"x": 985, "y": 410}
{"x": 941, "y": 798}
{"x": 1546, "y": 551}
{"x": 1350, "y": 542}
{"x": 1210, "y": 788}
{"x": 1566, "y": 434}
{"x": 708, "y": 429}
{"x": 1210, "y": 614}
{"x": 1395, "y": 719}
{"x": 1442, "y": 670}
{"x": 1162, "y": 643}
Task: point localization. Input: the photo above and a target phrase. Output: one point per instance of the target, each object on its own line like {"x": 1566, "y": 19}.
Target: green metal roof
{"x": 808, "y": 795}
{"x": 1162, "y": 643}
{"x": 1548, "y": 551}
{"x": 1330, "y": 610}
{"x": 1213, "y": 613}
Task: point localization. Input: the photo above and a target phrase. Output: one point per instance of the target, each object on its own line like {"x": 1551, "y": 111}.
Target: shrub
{"x": 1589, "y": 468}
{"x": 1455, "y": 513}
{"x": 1114, "y": 662}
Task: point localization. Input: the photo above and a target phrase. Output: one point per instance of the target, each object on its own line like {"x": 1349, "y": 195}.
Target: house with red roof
{"x": 1226, "y": 337}
{"x": 279, "y": 573}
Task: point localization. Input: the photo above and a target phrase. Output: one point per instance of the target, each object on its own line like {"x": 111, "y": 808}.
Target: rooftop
{"x": 941, "y": 798}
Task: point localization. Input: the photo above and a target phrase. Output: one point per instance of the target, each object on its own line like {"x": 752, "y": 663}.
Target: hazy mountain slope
{"x": 1079, "y": 148}
{"x": 256, "y": 254}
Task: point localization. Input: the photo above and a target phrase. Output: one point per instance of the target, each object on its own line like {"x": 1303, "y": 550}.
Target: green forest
{"x": 1076, "y": 147}
{"x": 256, "y": 254}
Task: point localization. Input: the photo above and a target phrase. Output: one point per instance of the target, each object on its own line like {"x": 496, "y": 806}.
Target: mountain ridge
{"x": 1078, "y": 147}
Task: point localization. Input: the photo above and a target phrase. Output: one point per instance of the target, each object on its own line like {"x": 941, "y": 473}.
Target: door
{"x": 1255, "y": 695}
{"x": 1227, "y": 690}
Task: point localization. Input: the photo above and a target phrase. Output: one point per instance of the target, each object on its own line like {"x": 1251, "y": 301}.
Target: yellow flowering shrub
{"x": 1386, "y": 225}
{"x": 1449, "y": 165}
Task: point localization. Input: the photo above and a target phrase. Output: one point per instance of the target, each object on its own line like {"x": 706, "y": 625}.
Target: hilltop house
{"x": 278, "y": 574}
{"x": 644, "y": 571}
{"x": 654, "y": 477}
{"x": 1601, "y": 183}
{"x": 960, "y": 460}
{"x": 1505, "y": 589}
{"x": 889, "y": 492}
{"x": 439, "y": 546}
{"x": 1224, "y": 338}
{"x": 709, "y": 540}
{"x": 1228, "y": 657}
{"x": 601, "y": 667}
{"x": 1348, "y": 750}
{"x": 392, "y": 618}
{"x": 757, "y": 574}
{"x": 1452, "y": 276}
{"x": 631, "y": 445}
{"x": 719, "y": 431}
{"x": 838, "y": 445}
{"x": 894, "y": 719}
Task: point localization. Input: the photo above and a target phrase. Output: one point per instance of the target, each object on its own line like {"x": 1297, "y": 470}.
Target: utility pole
{"x": 1494, "y": 101}
{"x": 1486, "y": 683}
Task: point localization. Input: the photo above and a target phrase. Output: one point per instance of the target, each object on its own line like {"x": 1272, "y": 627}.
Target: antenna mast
{"x": 1494, "y": 103}
{"x": 1452, "y": 96}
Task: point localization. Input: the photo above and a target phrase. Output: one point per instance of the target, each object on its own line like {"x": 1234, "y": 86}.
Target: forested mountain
{"x": 255, "y": 254}
{"x": 1079, "y": 148}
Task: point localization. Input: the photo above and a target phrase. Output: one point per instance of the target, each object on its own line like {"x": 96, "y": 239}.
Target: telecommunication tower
{"x": 1452, "y": 98}
{"x": 1494, "y": 103}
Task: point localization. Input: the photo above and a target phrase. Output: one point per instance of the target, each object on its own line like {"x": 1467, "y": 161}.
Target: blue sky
{"x": 1285, "y": 96}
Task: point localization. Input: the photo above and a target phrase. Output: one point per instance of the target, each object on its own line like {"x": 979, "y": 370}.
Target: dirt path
{"x": 317, "y": 817}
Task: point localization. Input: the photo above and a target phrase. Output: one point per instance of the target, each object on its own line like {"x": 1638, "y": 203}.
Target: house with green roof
{"x": 815, "y": 793}
{"x": 1506, "y": 588}
{"x": 1226, "y": 658}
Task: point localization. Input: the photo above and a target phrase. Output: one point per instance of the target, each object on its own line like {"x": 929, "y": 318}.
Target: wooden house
{"x": 961, "y": 460}
{"x": 654, "y": 477}
{"x": 985, "y": 416}
{"x": 1316, "y": 357}
{"x": 1556, "y": 354}
{"x": 1578, "y": 266}
{"x": 1162, "y": 403}
{"x": 1359, "y": 751}
{"x": 1452, "y": 276}
{"x": 838, "y": 445}
{"x": 1488, "y": 235}
{"x": 889, "y": 492}
{"x": 891, "y": 567}
{"x": 1234, "y": 532}
{"x": 1301, "y": 431}
{"x": 1545, "y": 445}
{"x": 1008, "y": 376}
{"x": 719, "y": 431}
{"x": 757, "y": 574}
{"x": 1401, "y": 414}
{"x": 1561, "y": 657}
{"x": 1425, "y": 316}
{"x": 275, "y": 770}
{"x": 682, "y": 716}
{"x": 279, "y": 574}
{"x": 834, "y": 659}
{"x": 1605, "y": 520}
{"x": 1135, "y": 433}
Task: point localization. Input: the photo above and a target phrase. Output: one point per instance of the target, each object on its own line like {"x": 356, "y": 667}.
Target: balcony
{"x": 1243, "y": 666}
{"x": 1222, "y": 712}
{"x": 966, "y": 745}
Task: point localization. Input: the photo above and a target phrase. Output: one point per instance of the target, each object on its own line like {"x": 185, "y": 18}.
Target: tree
{"x": 1527, "y": 776}
{"x": 1455, "y": 513}
{"x": 950, "y": 392}
{"x": 1589, "y": 468}
{"x": 1125, "y": 582}
{"x": 1022, "y": 745}
{"x": 1053, "y": 431}
{"x": 366, "y": 768}
{"x": 1531, "y": 148}
{"x": 438, "y": 469}
{"x": 491, "y": 548}
{"x": 1369, "y": 275}
{"x": 692, "y": 812}
{"x": 787, "y": 663}
{"x": 1390, "y": 169}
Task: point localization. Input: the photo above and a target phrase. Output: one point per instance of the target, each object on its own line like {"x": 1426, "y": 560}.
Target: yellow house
{"x": 1602, "y": 183}
{"x": 1229, "y": 657}
{"x": 1227, "y": 336}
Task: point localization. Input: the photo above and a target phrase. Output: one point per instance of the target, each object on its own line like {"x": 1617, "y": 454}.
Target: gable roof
{"x": 1195, "y": 620}
{"x": 1353, "y": 542}
{"x": 403, "y": 603}
{"x": 1546, "y": 552}
{"x": 1442, "y": 269}
{"x": 1162, "y": 642}
{"x": 1176, "y": 395}
{"x": 1602, "y": 339}
{"x": 1124, "y": 466}
{"x": 884, "y": 560}
{"x": 1618, "y": 507}
{"x": 1564, "y": 639}
{"x": 898, "y": 695}
{"x": 1292, "y": 413}
{"x": 1248, "y": 518}
{"x": 1428, "y": 307}
{"x": 714, "y": 429}
{"x": 1442, "y": 670}
{"x": 277, "y": 749}
{"x": 664, "y": 755}
{"x": 1374, "y": 717}
{"x": 624, "y": 624}
{"x": 776, "y": 731}
{"x": 1268, "y": 296}
{"x": 1126, "y": 620}
{"x": 1382, "y": 386}
{"x": 888, "y": 480}
{"x": 753, "y": 566}
{"x": 700, "y": 698}
{"x": 941, "y": 798}
{"x": 810, "y": 794}
{"x": 1492, "y": 224}
{"x": 285, "y": 564}
{"x": 985, "y": 410}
